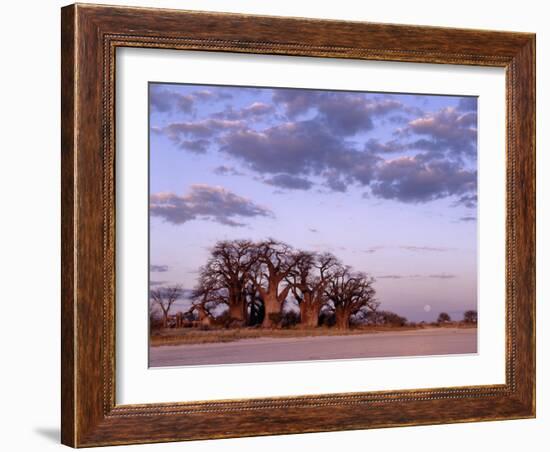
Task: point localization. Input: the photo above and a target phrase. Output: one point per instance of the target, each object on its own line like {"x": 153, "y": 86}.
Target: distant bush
{"x": 327, "y": 318}
{"x": 391, "y": 318}
{"x": 470, "y": 316}
{"x": 290, "y": 319}
{"x": 443, "y": 318}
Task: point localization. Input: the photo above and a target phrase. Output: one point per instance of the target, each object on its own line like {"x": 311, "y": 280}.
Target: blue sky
{"x": 386, "y": 182}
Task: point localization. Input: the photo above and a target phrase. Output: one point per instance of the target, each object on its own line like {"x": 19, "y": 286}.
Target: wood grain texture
{"x": 90, "y": 36}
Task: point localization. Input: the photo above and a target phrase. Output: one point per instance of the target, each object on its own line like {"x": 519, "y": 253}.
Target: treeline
{"x": 246, "y": 283}
{"x": 249, "y": 283}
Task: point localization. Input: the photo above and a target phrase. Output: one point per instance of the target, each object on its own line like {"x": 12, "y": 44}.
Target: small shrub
{"x": 290, "y": 319}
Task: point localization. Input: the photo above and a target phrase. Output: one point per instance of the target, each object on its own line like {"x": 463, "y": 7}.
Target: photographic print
{"x": 290, "y": 224}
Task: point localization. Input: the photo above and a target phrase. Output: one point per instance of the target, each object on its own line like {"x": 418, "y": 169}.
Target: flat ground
{"x": 428, "y": 341}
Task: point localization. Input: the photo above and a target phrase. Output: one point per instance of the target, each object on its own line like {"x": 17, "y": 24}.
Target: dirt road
{"x": 436, "y": 341}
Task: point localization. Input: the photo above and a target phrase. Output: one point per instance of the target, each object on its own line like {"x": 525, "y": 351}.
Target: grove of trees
{"x": 250, "y": 282}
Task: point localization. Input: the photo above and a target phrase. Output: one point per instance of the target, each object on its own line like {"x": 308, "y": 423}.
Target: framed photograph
{"x": 281, "y": 225}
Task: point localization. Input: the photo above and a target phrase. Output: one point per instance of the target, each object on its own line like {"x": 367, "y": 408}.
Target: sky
{"x": 386, "y": 182}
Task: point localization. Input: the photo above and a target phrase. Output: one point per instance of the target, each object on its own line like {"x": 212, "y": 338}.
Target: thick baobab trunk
{"x": 272, "y": 309}
{"x": 236, "y": 311}
{"x": 342, "y": 318}
{"x": 237, "y": 304}
{"x": 309, "y": 315}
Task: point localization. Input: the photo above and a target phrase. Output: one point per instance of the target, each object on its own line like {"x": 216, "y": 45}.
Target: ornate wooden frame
{"x": 90, "y": 35}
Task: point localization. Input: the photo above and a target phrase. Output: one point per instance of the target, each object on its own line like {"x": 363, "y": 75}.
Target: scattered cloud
{"x": 313, "y": 230}
{"x": 205, "y": 202}
{"x": 468, "y": 103}
{"x": 418, "y": 276}
{"x": 447, "y": 129}
{"x": 159, "y": 268}
{"x": 225, "y": 170}
{"x": 157, "y": 283}
{"x": 442, "y": 276}
{"x": 344, "y": 113}
{"x": 212, "y": 94}
{"x": 163, "y": 98}
{"x": 318, "y": 138}
{"x": 299, "y": 148}
{"x": 411, "y": 180}
{"x": 373, "y": 249}
{"x": 205, "y": 128}
{"x": 253, "y": 111}
{"x": 374, "y": 145}
{"x": 195, "y": 146}
{"x": 467, "y": 219}
{"x": 289, "y": 182}
{"x": 423, "y": 249}
{"x": 467, "y": 200}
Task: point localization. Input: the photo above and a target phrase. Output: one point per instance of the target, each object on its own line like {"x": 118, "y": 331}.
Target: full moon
{"x": 427, "y": 308}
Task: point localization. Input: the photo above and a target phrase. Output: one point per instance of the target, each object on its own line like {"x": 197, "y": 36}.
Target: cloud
{"x": 225, "y": 170}
{"x": 423, "y": 248}
{"x": 447, "y": 129}
{"x": 442, "y": 276}
{"x": 157, "y": 283}
{"x": 468, "y": 200}
{"x": 335, "y": 181}
{"x": 289, "y": 181}
{"x": 409, "y": 179}
{"x": 165, "y": 99}
{"x": 299, "y": 148}
{"x": 374, "y": 145}
{"x": 418, "y": 276}
{"x": 160, "y": 99}
{"x": 296, "y": 101}
{"x": 199, "y": 146}
{"x": 450, "y": 130}
{"x": 324, "y": 140}
{"x": 195, "y": 136}
{"x": 467, "y": 219}
{"x": 373, "y": 249}
{"x": 205, "y": 128}
{"x": 159, "y": 268}
{"x": 313, "y": 230}
{"x": 353, "y": 113}
{"x": 343, "y": 113}
{"x": 253, "y": 111}
{"x": 212, "y": 94}
{"x": 204, "y": 202}
{"x": 467, "y": 104}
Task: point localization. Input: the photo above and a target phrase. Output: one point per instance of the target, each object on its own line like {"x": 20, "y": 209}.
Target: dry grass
{"x": 196, "y": 336}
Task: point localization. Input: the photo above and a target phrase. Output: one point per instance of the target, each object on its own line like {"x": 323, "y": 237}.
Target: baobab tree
{"x": 308, "y": 281}
{"x": 229, "y": 266}
{"x": 254, "y": 279}
{"x": 206, "y": 297}
{"x": 349, "y": 293}
{"x": 164, "y": 298}
{"x": 470, "y": 316}
{"x": 275, "y": 261}
{"x": 444, "y": 318}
